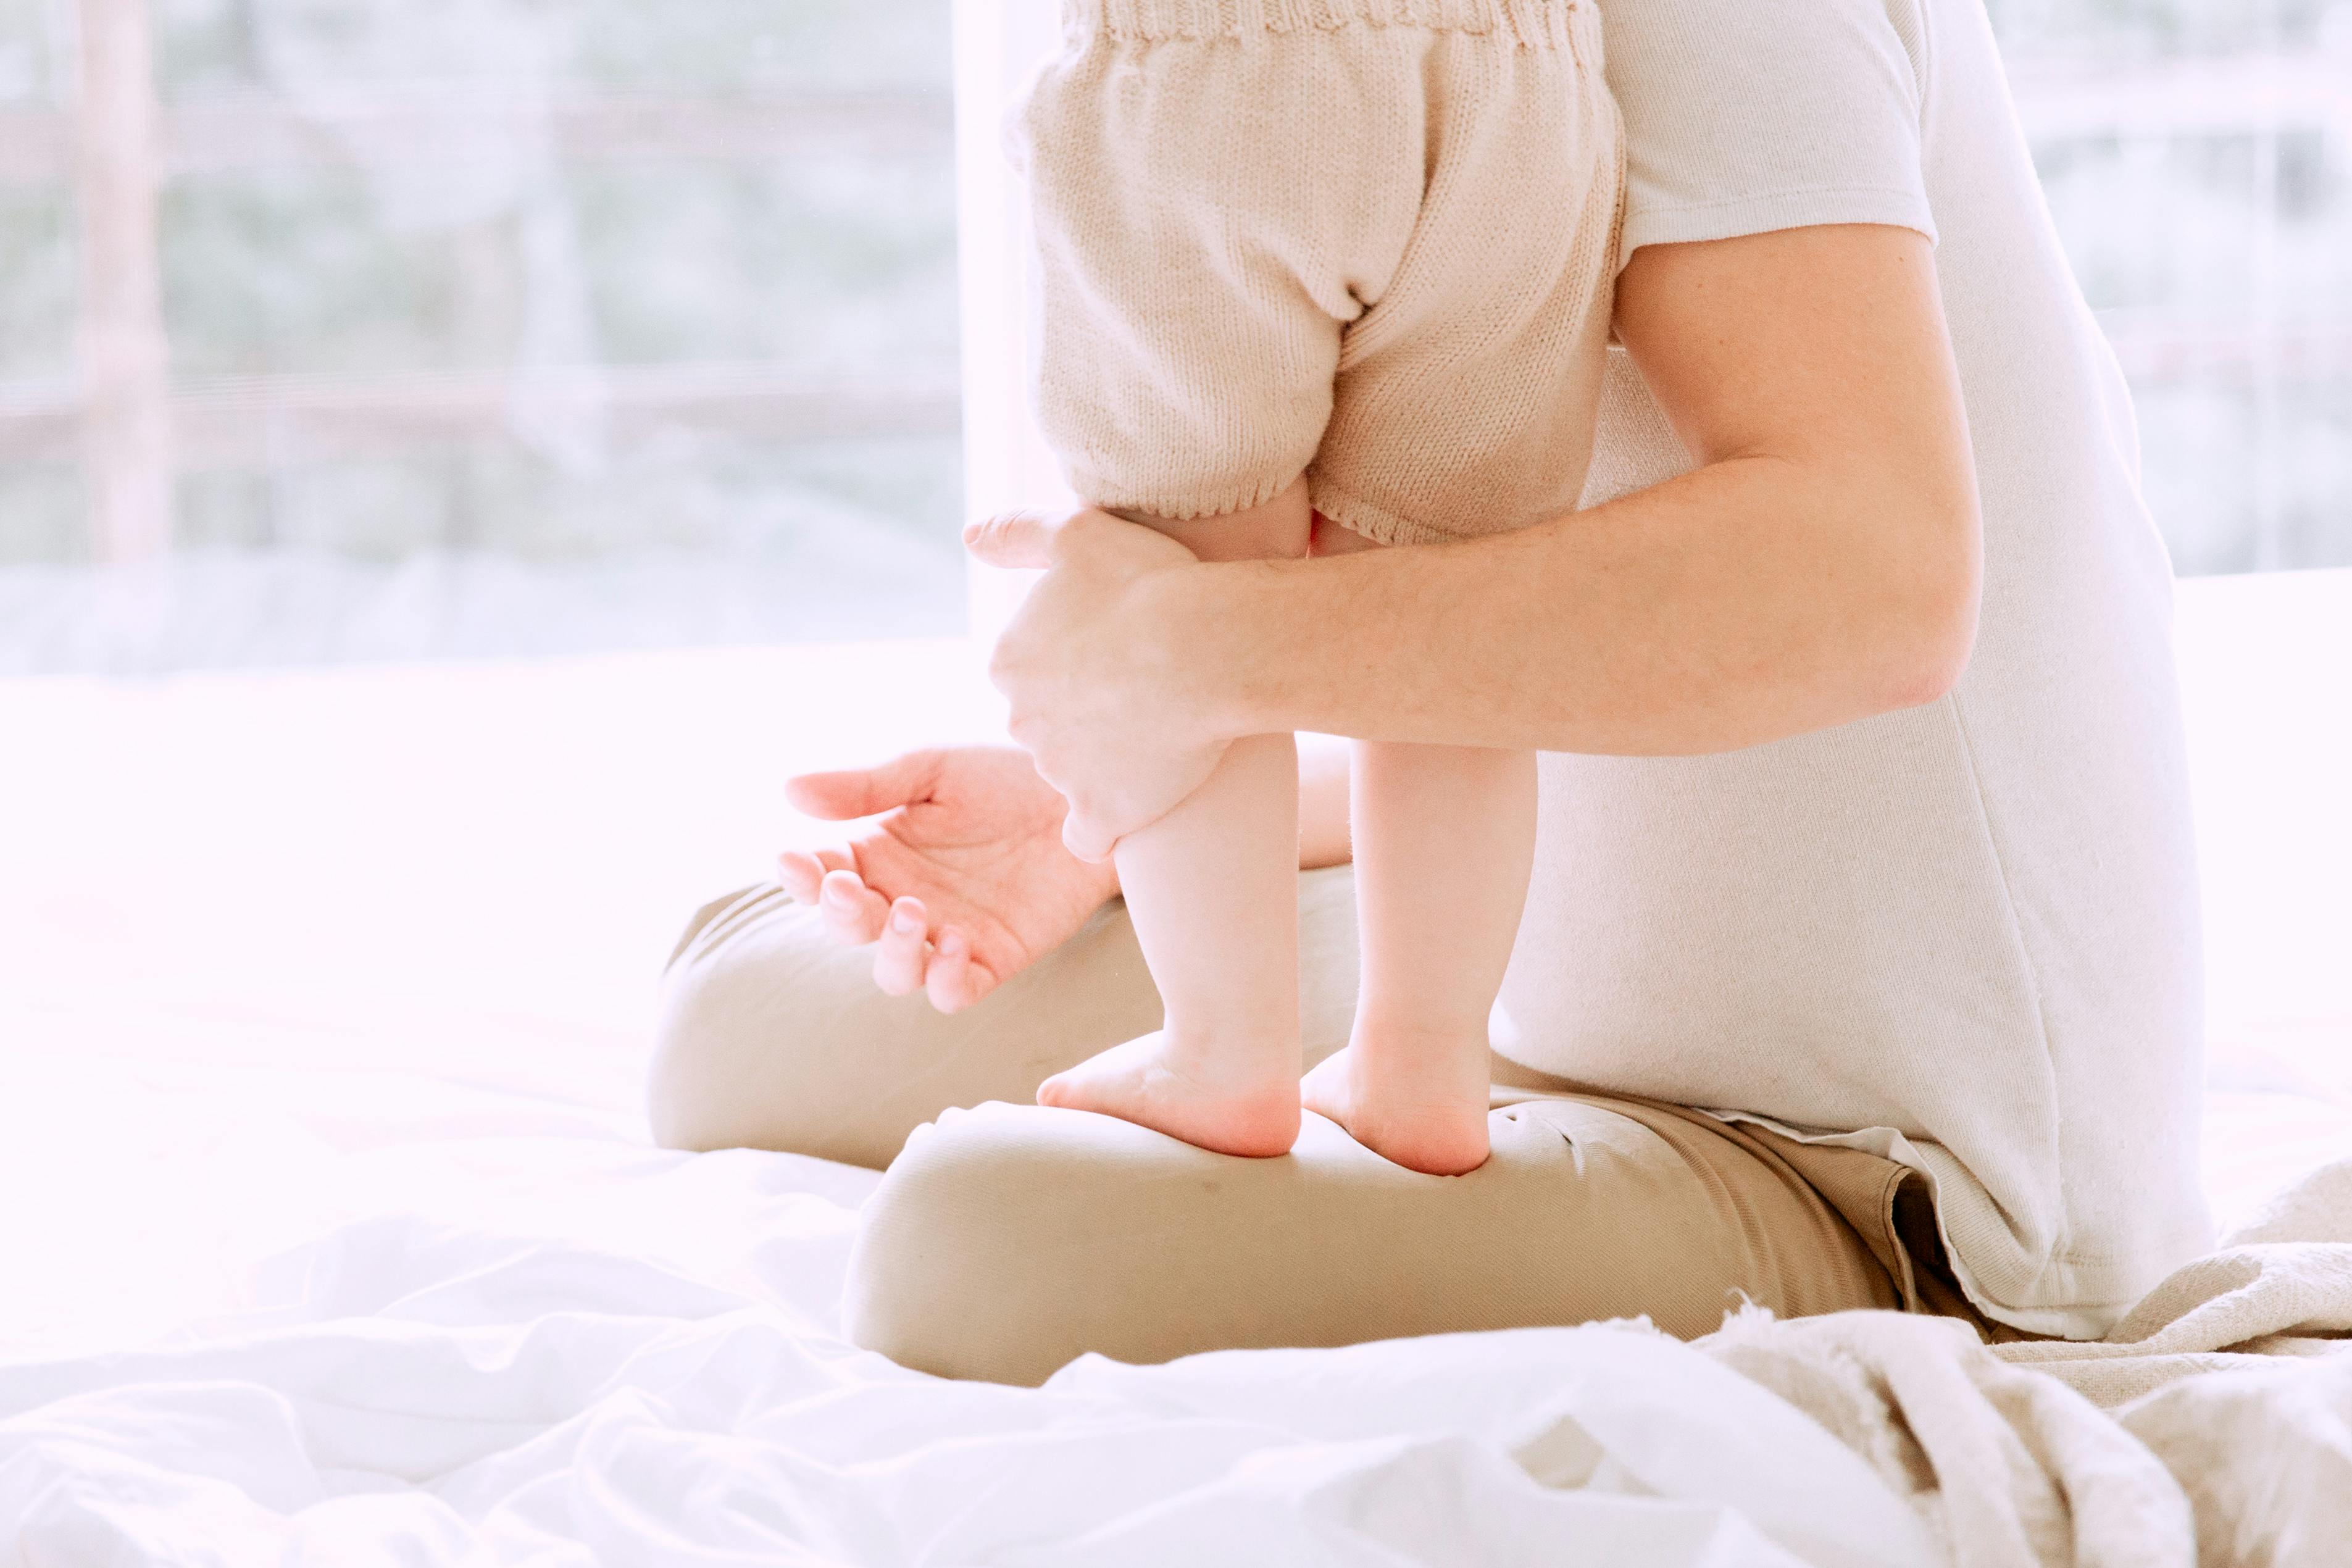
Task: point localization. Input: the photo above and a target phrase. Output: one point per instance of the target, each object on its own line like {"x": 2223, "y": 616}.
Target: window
{"x": 368, "y": 328}
{"x": 2198, "y": 158}
{"x": 344, "y": 328}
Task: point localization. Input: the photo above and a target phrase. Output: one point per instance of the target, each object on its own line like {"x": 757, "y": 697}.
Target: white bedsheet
{"x": 334, "y": 1237}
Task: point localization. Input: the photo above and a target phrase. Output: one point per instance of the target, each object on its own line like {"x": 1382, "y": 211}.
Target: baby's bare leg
{"x": 1213, "y": 891}
{"x": 1443, "y": 839}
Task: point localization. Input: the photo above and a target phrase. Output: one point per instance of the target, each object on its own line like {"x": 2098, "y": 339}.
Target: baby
{"x": 1330, "y": 275}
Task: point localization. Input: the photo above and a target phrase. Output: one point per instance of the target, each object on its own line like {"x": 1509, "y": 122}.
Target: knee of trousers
{"x": 955, "y": 1270}
{"x": 753, "y": 1043}
{"x": 772, "y": 1035}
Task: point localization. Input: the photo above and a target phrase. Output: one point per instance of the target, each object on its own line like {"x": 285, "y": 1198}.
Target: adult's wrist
{"x": 1209, "y": 626}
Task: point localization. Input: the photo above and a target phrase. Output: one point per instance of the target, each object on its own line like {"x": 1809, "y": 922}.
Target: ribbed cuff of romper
{"x": 1376, "y": 523}
{"x": 1175, "y": 506}
{"x": 1535, "y": 22}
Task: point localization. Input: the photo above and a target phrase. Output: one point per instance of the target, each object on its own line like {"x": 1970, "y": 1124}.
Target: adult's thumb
{"x": 838, "y": 795}
{"x": 1013, "y": 538}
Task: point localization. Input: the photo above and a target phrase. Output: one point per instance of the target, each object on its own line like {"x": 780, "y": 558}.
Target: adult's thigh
{"x": 1007, "y": 1240}
{"x": 771, "y": 1034}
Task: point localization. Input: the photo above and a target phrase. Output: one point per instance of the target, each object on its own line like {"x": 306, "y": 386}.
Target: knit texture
{"x": 1531, "y": 22}
{"x": 1371, "y": 242}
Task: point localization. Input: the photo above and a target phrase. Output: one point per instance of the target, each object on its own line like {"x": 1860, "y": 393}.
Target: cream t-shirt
{"x": 1965, "y": 935}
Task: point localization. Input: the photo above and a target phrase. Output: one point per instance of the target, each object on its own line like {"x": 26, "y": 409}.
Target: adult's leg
{"x": 772, "y": 1035}
{"x": 1007, "y": 1239}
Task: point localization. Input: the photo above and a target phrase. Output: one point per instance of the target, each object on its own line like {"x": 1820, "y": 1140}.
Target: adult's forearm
{"x": 1733, "y": 605}
{"x": 1819, "y": 566}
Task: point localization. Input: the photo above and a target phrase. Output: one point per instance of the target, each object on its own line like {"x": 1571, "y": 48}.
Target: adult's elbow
{"x": 1928, "y": 630}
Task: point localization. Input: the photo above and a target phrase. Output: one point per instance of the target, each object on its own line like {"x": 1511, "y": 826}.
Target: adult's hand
{"x": 1096, "y": 673}
{"x": 963, "y": 879}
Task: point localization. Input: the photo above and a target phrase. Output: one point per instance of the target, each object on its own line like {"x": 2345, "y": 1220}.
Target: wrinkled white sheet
{"x": 523, "y": 1336}
{"x": 569, "y": 1349}
{"x": 455, "y": 1395}
{"x": 333, "y": 1236}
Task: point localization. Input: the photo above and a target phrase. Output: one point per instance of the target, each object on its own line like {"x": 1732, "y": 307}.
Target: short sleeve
{"x": 1747, "y": 116}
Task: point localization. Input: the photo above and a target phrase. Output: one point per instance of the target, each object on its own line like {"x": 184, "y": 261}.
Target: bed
{"x": 334, "y": 1234}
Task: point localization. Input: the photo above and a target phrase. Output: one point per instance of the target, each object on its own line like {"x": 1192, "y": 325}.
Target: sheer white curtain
{"x": 1006, "y": 463}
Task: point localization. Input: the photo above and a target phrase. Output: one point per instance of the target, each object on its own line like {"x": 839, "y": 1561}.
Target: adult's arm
{"x": 1819, "y": 564}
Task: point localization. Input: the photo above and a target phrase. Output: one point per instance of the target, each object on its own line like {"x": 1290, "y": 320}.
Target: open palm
{"x": 961, "y": 881}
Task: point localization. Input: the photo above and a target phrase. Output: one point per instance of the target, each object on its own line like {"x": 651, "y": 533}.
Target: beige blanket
{"x": 2213, "y": 1427}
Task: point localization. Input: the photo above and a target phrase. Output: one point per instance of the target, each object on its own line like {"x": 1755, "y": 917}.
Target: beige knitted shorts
{"x": 1369, "y": 240}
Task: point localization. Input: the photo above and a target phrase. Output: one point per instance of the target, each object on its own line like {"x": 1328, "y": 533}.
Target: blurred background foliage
{"x": 511, "y": 326}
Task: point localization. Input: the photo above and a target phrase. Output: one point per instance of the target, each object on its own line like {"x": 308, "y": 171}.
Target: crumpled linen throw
{"x": 2281, "y": 1284}
{"x": 2213, "y": 1427}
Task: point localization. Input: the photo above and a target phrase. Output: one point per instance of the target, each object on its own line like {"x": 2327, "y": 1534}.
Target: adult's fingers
{"x": 843, "y": 793}
{"x": 802, "y": 876}
{"x": 898, "y": 960}
{"x": 853, "y": 910}
{"x": 802, "y": 871}
{"x": 1018, "y": 538}
{"x": 956, "y": 979}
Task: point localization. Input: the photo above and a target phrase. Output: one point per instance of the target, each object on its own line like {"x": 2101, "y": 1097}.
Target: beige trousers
{"x": 1007, "y": 1239}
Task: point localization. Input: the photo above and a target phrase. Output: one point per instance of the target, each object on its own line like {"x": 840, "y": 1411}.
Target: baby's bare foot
{"x": 1430, "y": 1118}
{"x": 1230, "y": 1103}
